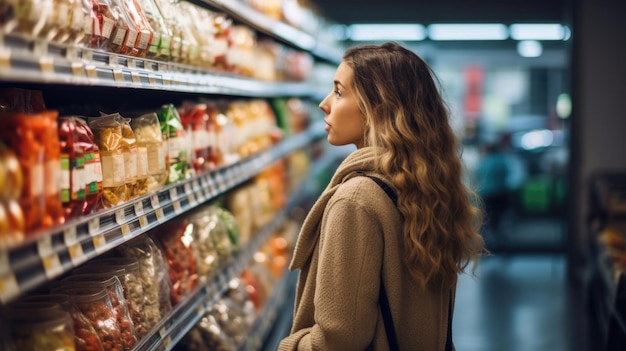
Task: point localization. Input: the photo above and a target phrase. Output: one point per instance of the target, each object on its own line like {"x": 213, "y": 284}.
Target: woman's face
{"x": 345, "y": 123}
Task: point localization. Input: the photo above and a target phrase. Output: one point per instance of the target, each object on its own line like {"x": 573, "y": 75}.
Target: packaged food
{"x": 127, "y": 271}
{"x": 109, "y": 138}
{"x": 85, "y": 336}
{"x": 154, "y": 277}
{"x": 135, "y": 160}
{"x": 195, "y": 119}
{"x": 108, "y": 20}
{"x": 92, "y": 165}
{"x": 142, "y": 26}
{"x": 11, "y": 178}
{"x": 113, "y": 286}
{"x": 148, "y": 135}
{"x": 72, "y": 168}
{"x": 160, "y": 45}
{"x": 177, "y": 245}
{"x": 166, "y": 7}
{"x": 95, "y": 304}
{"x": 178, "y": 143}
{"x": 40, "y": 326}
{"x": 11, "y": 223}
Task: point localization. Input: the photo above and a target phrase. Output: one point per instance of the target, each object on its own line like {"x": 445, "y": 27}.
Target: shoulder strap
{"x": 384, "y": 301}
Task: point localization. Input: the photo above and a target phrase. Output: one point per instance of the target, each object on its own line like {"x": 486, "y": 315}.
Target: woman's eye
{"x": 338, "y": 93}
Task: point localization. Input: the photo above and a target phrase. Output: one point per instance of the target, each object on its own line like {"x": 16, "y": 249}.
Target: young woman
{"x": 357, "y": 240}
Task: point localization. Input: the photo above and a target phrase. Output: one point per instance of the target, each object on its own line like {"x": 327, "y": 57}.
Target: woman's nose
{"x": 324, "y": 105}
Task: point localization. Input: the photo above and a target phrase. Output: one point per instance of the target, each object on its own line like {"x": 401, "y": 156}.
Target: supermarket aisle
{"x": 517, "y": 303}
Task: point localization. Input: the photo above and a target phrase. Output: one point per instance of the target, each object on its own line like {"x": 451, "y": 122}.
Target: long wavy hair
{"x": 407, "y": 121}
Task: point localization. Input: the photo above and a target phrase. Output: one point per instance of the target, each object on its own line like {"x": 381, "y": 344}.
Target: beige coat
{"x": 352, "y": 231}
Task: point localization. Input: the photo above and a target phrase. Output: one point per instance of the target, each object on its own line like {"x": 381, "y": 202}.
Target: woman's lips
{"x": 327, "y": 127}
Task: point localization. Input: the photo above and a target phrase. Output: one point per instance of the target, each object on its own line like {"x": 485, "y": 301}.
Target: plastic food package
{"x": 108, "y": 18}
{"x": 72, "y": 169}
{"x": 195, "y": 119}
{"x": 160, "y": 45}
{"x": 113, "y": 286}
{"x": 178, "y": 144}
{"x": 85, "y": 336}
{"x": 40, "y": 326}
{"x": 176, "y": 242}
{"x": 95, "y": 304}
{"x": 127, "y": 271}
{"x": 154, "y": 277}
{"x": 109, "y": 138}
{"x": 135, "y": 160}
{"x": 92, "y": 166}
{"x": 203, "y": 225}
{"x": 148, "y": 134}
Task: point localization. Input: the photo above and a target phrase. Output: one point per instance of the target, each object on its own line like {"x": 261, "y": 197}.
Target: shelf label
{"x": 173, "y": 194}
{"x": 125, "y": 229}
{"x": 49, "y": 259}
{"x": 99, "y": 242}
{"x": 90, "y": 70}
{"x": 154, "y": 201}
{"x": 78, "y": 69}
{"x": 71, "y": 53}
{"x": 93, "y": 225}
{"x": 5, "y": 57}
{"x": 76, "y": 254}
{"x": 120, "y": 216}
{"x": 177, "y": 208}
{"x": 143, "y": 222}
{"x": 5, "y": 266}
{"x": 134, "y": 75}
{"x": 8, "y": 287}
{"x": 46, "y": 64}
{"x": 160, "y": 215}
{"x": 118, "y": 75}
{"x": 139, "y": 208}
{"x": 152, "y": 79}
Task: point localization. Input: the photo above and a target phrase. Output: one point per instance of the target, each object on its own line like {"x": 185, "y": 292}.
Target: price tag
{"x": 113, "y": 61}
{"x": 8, "y": 288}
{"x": 162, "y": 332}
{"x": 152, "y": 79}
{"x": 69, "y": 236}
{"x": 166, "y": 80}
{"x": 5, "y": 57}
{"x": 77, "y": 254}
{"x": 131, "y": 63}
{"x": 78, "y": 69}
{"x": 46, "y": 64}
{"x": 167, "y": 341}
{"x": 191, "y": 199}
{"x": 154, "y": 201}
{"x": 118, "y": 75}
{"x": 120, "y": 216}
{"x": 160, "y": 215}
{"x": 49, "y": 259}
{"x": 162, "y": 67}
{"x": 87, "y": 55}
{"x": 173, "y": 193}
{"x": 99, "y": 242}
{"x": 134, "y": 75}
{"x": 90, "y": 70}
{"x": 143, "y": 222}
{"x": 196, "y": 185}
{"x": 93, "y": 225}
{"x": 187, "y": 188}
{"x": 139, "y": 208}
{"x": 177, "y": 208}
{"x": 125, "y": 229}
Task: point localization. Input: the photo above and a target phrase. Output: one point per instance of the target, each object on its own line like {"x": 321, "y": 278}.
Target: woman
{"x": 355, "y": 237}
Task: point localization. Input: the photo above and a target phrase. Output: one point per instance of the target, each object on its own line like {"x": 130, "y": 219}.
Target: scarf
{"x": 361, "y": 160}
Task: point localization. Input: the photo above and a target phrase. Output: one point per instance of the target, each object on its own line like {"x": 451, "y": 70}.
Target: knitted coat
{"x": 352, "y": 234}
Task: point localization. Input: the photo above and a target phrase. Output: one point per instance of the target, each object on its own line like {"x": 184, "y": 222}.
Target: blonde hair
{"x": 407, "y": 121}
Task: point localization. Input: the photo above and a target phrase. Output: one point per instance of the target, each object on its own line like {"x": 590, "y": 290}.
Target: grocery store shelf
{"x": 31, "y": 60}
{"x": 275, "y": 28}
{"x": 50, "y": 253}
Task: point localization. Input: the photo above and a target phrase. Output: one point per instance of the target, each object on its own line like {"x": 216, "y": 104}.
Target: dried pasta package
{"x": 85, "y": 336}
{"x": 108, "y": 136}
{"x": 127, "y": 271}
{"x": 148, "y": 134}
{"x": 40, "y": 326}
{"x": 135, "y": 160}
{"x": 177, "y": 143}
{"x": 175, "y": 239}
{"x": 154, "y": 277}
{"x": 113, "y": 286}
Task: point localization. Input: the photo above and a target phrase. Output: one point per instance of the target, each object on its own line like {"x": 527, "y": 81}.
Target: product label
{"x": 78, "y": 179}
{"x": 156, "y": 159}
{"x": 65, "y": 178}
{"x": 130, "y": 164}
{"x": 113, "y": 173}
{"x": 107, "y": 27}
{"x": 92, "y": 173}
{"x": 131, "y": 39}
{"x": 142, "y": 162}
{"x": 120, "y": 34}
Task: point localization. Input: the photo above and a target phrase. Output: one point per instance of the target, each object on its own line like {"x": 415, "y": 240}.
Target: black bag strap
{"x": 384, "y": 301}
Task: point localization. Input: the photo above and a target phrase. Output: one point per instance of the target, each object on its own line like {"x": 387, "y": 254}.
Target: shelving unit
{"x": 607, "y": 282}
{"x": 48, "y": 254}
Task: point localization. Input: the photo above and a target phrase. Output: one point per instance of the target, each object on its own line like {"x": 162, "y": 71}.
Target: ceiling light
{"x": 471, "y": 31}
{"x": 529, "y": 48}
{"x": 537, "y": 32}
{"x": 373, "y": 32}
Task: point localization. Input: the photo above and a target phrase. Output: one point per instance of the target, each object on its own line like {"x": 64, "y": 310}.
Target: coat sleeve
{"x": 348, "y": 279}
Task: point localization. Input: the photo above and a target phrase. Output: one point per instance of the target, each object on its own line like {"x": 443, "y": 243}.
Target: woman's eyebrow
{"x": 338, "y": 83}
